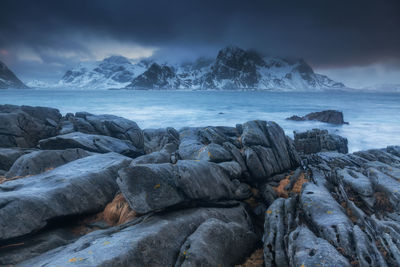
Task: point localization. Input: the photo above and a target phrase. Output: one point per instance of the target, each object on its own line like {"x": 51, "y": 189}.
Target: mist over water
{"x": 374, "y": 118}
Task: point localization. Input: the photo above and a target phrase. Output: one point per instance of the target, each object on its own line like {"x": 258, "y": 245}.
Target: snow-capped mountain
{"x": 8, "y": 79}
{"x": 112, "y": 72}
{"x": 233, "y": 68}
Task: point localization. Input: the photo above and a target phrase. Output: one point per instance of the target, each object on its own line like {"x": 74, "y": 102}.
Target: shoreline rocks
{"x": 200, "y": 195}
{"x": 328, "y": 116}
{"x": 317, "y": 140}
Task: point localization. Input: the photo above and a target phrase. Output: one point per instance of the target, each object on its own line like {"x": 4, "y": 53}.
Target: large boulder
{"x": 267, "y": 150}
{"x": 81, "y": 186}
{"x": 217, "y": 243}
{"x": 317, "y": 140}
{"x": 156, "y": 240}
{"x": 24, "y": 126}
{"x": 9, "y": 155}
{"x": 109, "y": 125}
{"x": 206, "y": 143}
{"x": 92, "y": 143}
{"x": 44, "y": 160}
{"x": 261, "y": 148}
{"x": 328, "y": 116}
{"x": 149, "y": 187}
{"x": 165, "y": 155}
{"x": 156, "y": 139}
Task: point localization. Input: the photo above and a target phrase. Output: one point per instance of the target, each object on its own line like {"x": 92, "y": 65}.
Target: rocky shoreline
{"x": 96, "y": 190}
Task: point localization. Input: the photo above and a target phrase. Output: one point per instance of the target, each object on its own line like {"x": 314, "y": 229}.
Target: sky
{"x": 353, "y": 41}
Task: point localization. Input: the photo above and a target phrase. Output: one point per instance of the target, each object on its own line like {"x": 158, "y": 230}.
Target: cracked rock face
{"x": 24, "y": 126}
{"x": 157, "y": 240}
{"x": 317, "y": 140}
{"x": 346, "y": 215}
{"x": 92, "y": 143}
{"x": 202, "y": 196}
{"x": 82, "y": 186}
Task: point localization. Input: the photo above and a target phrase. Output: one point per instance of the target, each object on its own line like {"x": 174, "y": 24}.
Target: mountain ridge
{"x": 233, "y": 68}
{"x": 8, "y": 79}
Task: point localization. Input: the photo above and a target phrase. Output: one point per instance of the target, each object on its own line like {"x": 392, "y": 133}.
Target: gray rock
{"x": 328, "y": 116}
{"x": 156, "y": 139}
{"x": 24, "y": 126}
{"x": 206, "y": 143}
{"x": 217, "y": 243}
{"x": 306, "y": 249}
{"x": 317, "y": 140}
{"x": 44, "y": 160}
{"x": 327, "y": 216}
{"x": 109, "y": 125}
{"x": 148, "y": 241}
{"x": 149, "y": 187}
{"x": 92, "y": 143}
{"x": 267, "y": 150}
{"x": 33, "y": 246}
{"x": 165, "y": 155}
{"x": 82, "y": 186}
{"x": 279, "y": 218}
{"x": 9, "y": 155}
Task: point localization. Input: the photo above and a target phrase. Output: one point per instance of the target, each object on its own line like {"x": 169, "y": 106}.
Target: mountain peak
{"x": 8, "y": 79}
{"x": 117, "y": 59}
{"x": 232, "y": 68}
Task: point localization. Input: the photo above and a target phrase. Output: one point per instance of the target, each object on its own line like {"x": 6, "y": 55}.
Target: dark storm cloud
{"x": 327, "y": 33}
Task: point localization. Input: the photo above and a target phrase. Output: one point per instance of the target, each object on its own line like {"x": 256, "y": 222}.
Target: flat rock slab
{"x": 82, "y": 186}
{"x": 44, "y": 160}
{"x": 109, "y": 125}
{"x": 92, "y": 143}
{"x": 24, "y": 126}
{"x": 149, "y": 241}
{"x": 149, "y": 187}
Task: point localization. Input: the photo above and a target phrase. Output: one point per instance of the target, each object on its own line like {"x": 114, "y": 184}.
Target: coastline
{"x": 205, "y": 194}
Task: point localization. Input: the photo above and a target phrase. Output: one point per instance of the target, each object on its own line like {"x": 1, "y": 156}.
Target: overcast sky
{"x": 353, "y": 41}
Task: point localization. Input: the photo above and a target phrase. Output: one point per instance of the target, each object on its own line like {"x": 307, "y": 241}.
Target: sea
{"x": 374, "y": 118}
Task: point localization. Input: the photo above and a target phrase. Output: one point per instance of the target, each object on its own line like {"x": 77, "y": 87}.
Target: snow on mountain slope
{"x": 235, "y": 68}
{"x": 112, "y": 72}
{"x": 232, "y": 69}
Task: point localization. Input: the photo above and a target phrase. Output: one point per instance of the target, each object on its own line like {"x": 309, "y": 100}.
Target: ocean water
{"x": 374, "y": 117}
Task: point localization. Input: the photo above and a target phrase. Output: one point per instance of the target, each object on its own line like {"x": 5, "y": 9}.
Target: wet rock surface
{"x": 92, "y": 143}
{"x": 82, "y": 186}
{"x": 317, "y": 140}
{"x": 328, "y": 116}
{"x": 44, "y": 160}
{"x": 152, "y": 241}
{"x": 342, "y": 216}
{"x": 200, "y": 196}
{"x": 9, "y": 155}
{"x": 24, "y": 126}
